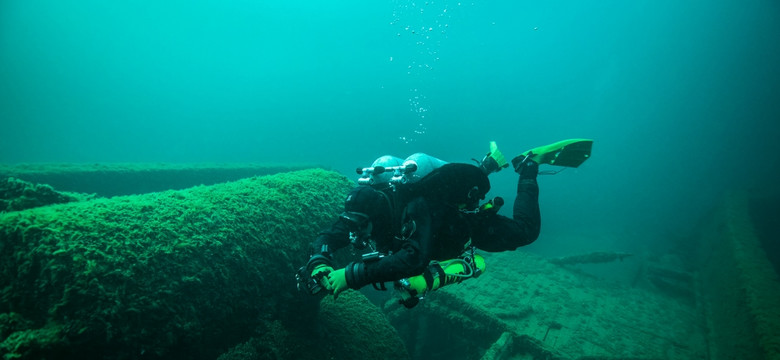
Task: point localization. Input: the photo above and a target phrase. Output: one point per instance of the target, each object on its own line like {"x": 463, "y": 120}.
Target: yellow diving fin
{"x": 494, "y": 161}
{"x": 568, "y": 153}
{"x": 497, "y": 155}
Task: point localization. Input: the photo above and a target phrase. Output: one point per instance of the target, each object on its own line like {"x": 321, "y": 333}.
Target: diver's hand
{"x": 338, "y": 282}
{"x": 320, "y": 273}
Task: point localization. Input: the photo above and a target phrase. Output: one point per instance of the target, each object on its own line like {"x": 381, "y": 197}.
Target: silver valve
{"x": 399, "y": 173}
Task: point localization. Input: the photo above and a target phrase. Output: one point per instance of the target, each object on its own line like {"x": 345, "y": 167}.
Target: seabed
{"x": 156, "y": 261}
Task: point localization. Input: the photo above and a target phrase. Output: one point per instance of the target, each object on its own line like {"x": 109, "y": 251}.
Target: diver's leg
{"x": 526, "y": 206}
{"x": 493, "y": 232}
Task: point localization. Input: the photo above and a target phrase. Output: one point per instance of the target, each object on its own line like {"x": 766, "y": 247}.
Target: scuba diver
{"x": 419, "y": 221}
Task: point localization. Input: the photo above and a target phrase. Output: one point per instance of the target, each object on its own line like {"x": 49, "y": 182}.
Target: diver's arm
{"x": 411, "y": 259}
{"x": 326, "y": 243}
{"x": 332, "y": 239}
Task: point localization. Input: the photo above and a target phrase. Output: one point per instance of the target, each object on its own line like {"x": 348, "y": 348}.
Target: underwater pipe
{"x": 175, "y": 274}
{"x": 117, "y": 179}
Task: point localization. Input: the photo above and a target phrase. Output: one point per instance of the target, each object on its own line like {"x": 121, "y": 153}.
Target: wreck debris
{"x": 591, "y": 258}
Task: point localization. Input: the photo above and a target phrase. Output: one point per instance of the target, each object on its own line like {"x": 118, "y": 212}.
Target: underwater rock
{"x": 176, "y": 275}
{"x": 16, "y": 194}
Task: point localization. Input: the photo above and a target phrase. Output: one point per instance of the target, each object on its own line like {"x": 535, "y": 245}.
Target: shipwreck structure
{"x": 179, "y": 274}
{"x": 188, "y": 271}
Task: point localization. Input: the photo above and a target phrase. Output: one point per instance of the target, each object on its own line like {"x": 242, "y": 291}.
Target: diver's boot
{"x": 494, "y": 161}
{"x": 526, "y": 167}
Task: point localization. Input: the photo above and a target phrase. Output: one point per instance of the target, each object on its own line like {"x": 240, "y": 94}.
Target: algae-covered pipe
{"x": 176, "y": 274}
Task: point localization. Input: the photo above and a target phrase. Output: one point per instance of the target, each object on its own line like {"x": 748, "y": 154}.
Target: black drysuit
{"x": 427, "y": 225}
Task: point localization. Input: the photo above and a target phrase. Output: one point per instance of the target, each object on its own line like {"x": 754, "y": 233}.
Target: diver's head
{"x": 364, "y": 210}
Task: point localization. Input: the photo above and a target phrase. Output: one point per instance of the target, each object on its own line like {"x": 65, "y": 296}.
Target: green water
{"x": 682, "y": 98}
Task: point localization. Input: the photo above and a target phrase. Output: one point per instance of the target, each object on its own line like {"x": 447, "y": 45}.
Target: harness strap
{"x": 432, "y": 272}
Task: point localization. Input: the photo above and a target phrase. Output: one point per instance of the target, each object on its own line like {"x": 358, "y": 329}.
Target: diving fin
{"x": 494, "y": 161}
{"x": 568, "y": 153}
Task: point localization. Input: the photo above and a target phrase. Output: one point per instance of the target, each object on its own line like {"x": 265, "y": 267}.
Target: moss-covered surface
{"x": 177, "y": 274}
{"x": 355, "y": 329}
{"x": 113, "y": 179}
{"x": 350, "y": 327}
{"x": 740, "y": 285}
{"x": 552, "y": 312}
{"x": 17, "y": 194}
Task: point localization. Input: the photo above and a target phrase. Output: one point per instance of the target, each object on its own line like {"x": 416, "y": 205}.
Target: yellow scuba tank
{"x": 439, "y": 274}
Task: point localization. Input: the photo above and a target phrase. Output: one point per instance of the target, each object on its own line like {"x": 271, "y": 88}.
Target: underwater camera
{"x": 312, "y": 285}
